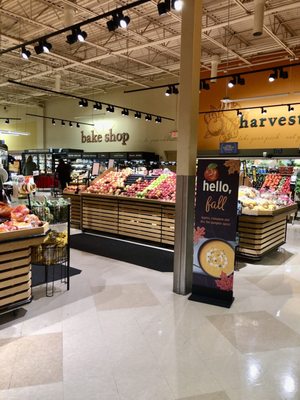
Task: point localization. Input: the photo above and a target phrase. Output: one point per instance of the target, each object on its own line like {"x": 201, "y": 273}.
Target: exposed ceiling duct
{"x": 215, "y": 61}
{"x": 69, "y": 13}
{"x": 259, "y": 10}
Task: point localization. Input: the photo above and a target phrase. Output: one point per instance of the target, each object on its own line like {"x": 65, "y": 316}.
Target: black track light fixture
{"x": 273, "y": 76}
{"x": 263, "y": 110}
{"x": 25, "y": 54}
{"x": 239, "y": 113}
{"x": 290, "y": 108}
{"x": 123, "y": 21}
{"x": 137, "y": 115}
{"x": 77, "y": 125}
{"x": 175, "y": 89}
{"x": 43, "y": 47}
{"x": 172, "y": 89}
{"x": 168, "y": 91}
{"x": 125, "y": 112}
{"x": 118, "y": 21}
{"x": 283, "y": 74}
{"x": 163, "y": 7}
{"x": 7, "y": 121}
{"x": 83, "y": 103}
{"x": 53, "y": 121}
{"x": 232, "y": 82}
{"x": 204, "y": 85}
{"x": 97, "y": 106}
{"x": 148, "y": 117}
{"x": 158, "y": 120}
{"x": 240, "y": 80}
{"x": 110, "y": 108}
{"x": 77, "y": 35}
{"x": 177, "y": 5}
{"x": 63, "y": 122}
{"x": 70, "y": 124}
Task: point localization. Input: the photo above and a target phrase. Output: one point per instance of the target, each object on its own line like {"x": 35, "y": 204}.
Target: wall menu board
{"x": 215, "y": 231}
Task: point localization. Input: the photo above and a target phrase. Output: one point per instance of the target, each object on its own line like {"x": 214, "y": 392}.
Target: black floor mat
{"x": 38, "y": 273}
{"x": 134, "y": 253}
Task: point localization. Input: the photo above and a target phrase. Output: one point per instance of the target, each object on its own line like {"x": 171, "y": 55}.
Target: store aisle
{"x": 121, "y": 334}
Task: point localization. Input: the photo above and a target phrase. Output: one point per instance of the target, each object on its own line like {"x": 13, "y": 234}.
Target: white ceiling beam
{"x": 287, "y": 7}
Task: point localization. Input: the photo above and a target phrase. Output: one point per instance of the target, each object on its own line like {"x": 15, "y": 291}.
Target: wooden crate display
{"x": 258, "y": 235}
{"x": 168, "y": 224}
{"x": 15, "y": 271}
{"x": 99, "y": 213}
{"x": 75, "y": 215}
{"x": 15, "y": 274}
{"x": 138, "y": 218}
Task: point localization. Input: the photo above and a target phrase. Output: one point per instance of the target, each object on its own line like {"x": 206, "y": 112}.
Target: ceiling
{"x": 145, "y": 54}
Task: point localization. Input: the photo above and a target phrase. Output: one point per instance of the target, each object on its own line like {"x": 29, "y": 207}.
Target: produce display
{"x": 111, "y": 182}
{"x": 162, "y": 187}
{"x": 277, "y": 182}
{"x": 53, "y": 250}
{"x": 138, "y": 186}
{"x": 262, "y": 202}
{"x": 152, "y": 186}
{"x": 74, "y": 188}
{"x": 51, "y": 210}
{"x": 15, "y": 218}
{"x": 165, "y": 190}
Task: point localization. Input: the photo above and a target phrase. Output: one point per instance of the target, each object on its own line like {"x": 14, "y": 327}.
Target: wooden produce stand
{"x": 15, "y": 266}
{"x": 262, "y": 233}
{"x": 150, "y": 220}
{"x": 75, "y": 217}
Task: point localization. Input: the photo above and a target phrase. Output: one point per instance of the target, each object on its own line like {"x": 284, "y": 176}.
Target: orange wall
{"x": 225, "y": 126}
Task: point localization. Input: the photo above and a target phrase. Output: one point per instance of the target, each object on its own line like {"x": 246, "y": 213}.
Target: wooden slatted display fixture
{"x": 15, "y": 270}
{"x": 149, "y": 220}
{"x": 75, "y": 217}
{"x": 260, "y": 234}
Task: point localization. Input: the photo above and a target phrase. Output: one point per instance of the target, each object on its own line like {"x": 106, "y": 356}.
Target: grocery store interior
{"x": 108, "y": 111}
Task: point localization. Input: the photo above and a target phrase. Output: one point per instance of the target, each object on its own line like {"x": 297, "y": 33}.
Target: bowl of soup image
{"x": 216, "y": 256}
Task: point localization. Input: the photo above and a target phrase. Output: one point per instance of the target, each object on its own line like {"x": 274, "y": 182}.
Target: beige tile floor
{"x": 120, "y": 333}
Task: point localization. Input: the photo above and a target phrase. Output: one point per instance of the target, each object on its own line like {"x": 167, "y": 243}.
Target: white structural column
{"x": 188, "y": 127}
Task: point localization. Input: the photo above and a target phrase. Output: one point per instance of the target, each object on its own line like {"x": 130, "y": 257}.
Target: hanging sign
{"x": 215, "y": 231}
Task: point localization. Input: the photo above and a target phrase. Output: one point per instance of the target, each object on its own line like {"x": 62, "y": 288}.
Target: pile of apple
{"x": 272, "y": 181}
{"x": 284, "y": 186}
{"x": 156, "y": 182}
{"x": 111, "y": 183}
{"x": 138, "y": 186}
{"x": 165, "y": 190}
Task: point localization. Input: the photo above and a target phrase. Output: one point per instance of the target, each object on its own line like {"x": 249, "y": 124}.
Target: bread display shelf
{"x": 150, "y": 220}
{"x": 259, "y": 235}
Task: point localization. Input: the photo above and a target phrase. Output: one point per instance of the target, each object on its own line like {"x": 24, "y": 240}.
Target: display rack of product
{"x": 54, "y": 252}
{"x": 19, "y": 231}
{"x": 262, "y": 225}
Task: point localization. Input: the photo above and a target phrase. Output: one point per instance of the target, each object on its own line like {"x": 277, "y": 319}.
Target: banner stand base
{"x": 215, "y": 301}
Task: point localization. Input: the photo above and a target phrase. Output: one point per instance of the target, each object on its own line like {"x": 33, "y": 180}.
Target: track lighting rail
{"x": 62, "y": 120}
{"x": 75, "y": 26}
{"x": 83, "y": 102}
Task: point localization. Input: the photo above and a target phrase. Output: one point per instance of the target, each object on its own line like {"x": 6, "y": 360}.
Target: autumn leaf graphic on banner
{"x": 199, "y": 233}
{"x": 233, "y": 166}
{"x": 225, "y": 282}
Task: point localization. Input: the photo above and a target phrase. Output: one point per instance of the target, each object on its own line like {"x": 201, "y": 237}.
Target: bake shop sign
{"x": 215, "y": 231}
{"x": 109, "y": 137}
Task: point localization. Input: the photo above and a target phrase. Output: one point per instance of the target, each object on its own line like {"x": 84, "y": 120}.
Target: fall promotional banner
{"x": 215, "y": 231}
